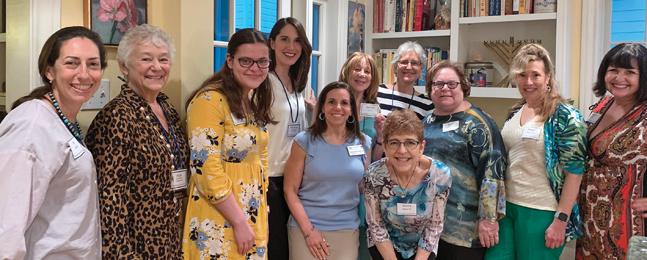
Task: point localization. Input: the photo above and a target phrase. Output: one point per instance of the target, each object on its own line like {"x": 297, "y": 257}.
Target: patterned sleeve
{"x": 434, "y": 227}
{"x": 206, "y": 118}
{"x": 108, "y": 140}
{"x": 489, "y": 153}
{"x": 570, "y": 139}
{"x": 376, "y": 232}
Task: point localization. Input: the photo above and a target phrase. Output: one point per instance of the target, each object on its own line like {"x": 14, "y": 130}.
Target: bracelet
{"x": 312, "y": 229}
{"x": 378, "y": 143}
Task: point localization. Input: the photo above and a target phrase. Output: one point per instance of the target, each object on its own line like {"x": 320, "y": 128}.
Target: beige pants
{"x": 343, "y": 244}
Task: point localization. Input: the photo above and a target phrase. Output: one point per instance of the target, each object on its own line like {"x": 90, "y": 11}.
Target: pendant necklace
{"x": 74, "y": 129}
{"x": 403, "y": 195}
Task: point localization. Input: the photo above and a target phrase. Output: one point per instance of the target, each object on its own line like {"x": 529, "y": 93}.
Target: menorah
{"x": 505, "y": 52}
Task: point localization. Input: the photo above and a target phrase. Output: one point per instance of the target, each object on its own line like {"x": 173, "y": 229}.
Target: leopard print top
{"x": 139, "y": 212}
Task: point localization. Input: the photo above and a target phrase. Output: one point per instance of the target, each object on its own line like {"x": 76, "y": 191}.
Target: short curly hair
{"x": 144, "y": 34}
{"x": 404, "y": 122}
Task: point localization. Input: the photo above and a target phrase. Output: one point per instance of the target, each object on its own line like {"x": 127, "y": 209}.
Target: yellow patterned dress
{"x": 228, "y": 157}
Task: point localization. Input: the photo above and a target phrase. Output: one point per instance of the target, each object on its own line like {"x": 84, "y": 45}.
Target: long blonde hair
{"x": 535, "y": 52}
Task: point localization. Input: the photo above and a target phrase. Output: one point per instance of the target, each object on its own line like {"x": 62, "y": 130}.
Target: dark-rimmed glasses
{"x": 409, "y": 144}
{"x": 249, "y": 62}
{"x": 413, "y": 63}
{"x": 438, "y": 85}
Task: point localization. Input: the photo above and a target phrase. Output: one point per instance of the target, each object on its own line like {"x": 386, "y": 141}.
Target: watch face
{"x": 562, "y": 217}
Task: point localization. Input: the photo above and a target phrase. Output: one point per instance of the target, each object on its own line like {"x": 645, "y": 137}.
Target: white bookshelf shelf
{"x": 418, "y": 34}
{"x": 508, "y": 18}
{"x": 494, "y": 92}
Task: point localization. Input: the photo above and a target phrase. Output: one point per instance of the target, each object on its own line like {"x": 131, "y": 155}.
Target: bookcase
{"x": 467, "y": 34}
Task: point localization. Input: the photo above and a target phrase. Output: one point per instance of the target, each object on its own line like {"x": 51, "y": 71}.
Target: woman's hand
{"x": 310, "y": 102}
{"x": 488, "y": 232}
{"x": 555, "y": 234}
{"x": 378, "y": 125}
{"x": 317, "y": 244}
{"x": 640, "y": 205}
{"x": 244, "y": 236}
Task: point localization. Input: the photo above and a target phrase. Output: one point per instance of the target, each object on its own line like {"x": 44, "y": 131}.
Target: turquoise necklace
{"x": 75, "y": 129}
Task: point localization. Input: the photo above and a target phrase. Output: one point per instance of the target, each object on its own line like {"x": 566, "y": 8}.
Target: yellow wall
{"x": 576, "y": 42}
{"x": 162, "y": 13}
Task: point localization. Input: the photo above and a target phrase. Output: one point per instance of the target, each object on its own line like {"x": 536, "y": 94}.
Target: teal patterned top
{"x": 474, "y": 151}
{"x": 565, "y": 141}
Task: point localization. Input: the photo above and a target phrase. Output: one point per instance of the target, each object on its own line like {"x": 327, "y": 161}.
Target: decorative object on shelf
{"x": 481, "y": 73}
{"x": 356, "y": 21}
{"x": 545, "y": 6}
{"x": 112, "y": 18}
{"x": 505, "y": 51}
{"x": 443, "y": 15}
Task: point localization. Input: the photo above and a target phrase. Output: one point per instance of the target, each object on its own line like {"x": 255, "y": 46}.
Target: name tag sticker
{"x": 179, "y": 179}
{"x": 593, "y": 118}
{"x": 369, "y": 110}
{"x": 451, "y": 126}
{"x": 531, "y": 133}
{"x": 355, "y": 150}
{"x": 238, "y": 121}
{"x": 406, "y": 209}
{"x": 76, "y": 147}
{"x": 293, "y": 130}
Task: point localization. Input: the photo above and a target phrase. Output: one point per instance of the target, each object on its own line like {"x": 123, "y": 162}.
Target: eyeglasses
{"x": 409, "y": 144}
{"x": 248, "y": 62}
{"x": 413, "y": 63}
{"x": 438, "y": 85}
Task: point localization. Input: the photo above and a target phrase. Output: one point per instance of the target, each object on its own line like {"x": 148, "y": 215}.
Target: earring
{"x": 548, "y": 89}
{"x": 351, "y": 121}
{"x": 322, "y": 117}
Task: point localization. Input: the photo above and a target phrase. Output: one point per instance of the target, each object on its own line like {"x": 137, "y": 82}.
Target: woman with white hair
{"x": 141, "y": 153}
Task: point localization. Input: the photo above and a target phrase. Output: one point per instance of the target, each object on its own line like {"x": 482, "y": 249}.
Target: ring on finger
{"x": 319, "y": 247}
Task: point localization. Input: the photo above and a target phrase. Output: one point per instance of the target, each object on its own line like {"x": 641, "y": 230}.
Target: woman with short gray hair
{"x": 140, "y": 152}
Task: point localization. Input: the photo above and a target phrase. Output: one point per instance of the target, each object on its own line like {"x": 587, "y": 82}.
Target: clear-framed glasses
{"x": 438, "y": 85}
{"x": 249, "y": 62}
{"x": 413, "y": 63}
{"x": 409, "y": 144}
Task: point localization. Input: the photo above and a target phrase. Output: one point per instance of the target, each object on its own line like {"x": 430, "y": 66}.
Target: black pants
{"x": 375, "y": 254}
{"x": 447, "y": 251}
{"x": 277, "y": 246}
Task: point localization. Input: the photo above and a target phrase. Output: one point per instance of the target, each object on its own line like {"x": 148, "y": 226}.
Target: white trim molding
{"x": 595, "y": 43}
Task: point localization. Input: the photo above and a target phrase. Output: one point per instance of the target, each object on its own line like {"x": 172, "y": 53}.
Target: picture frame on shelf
{"x": 356, "y": 26}
{"x": 111, "y": 18}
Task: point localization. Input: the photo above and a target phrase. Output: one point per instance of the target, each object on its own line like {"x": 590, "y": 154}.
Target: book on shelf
{"x": 411, "y": 15}
{"x": 426, "y": 15}
{"x": 479, "y": 8}
{"x": 398, "y": 16}
{"x": 378, "y": 64}
{"x": 403, "y": 15}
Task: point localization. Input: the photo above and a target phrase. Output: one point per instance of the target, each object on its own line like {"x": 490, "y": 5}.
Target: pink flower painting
{"x": 112, "y": 18}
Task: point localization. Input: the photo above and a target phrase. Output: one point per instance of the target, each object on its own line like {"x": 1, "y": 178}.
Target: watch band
{"x": 561, "y": 216}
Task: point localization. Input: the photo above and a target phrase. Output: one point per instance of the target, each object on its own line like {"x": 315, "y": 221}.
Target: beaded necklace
{"x": 74, "y": 129}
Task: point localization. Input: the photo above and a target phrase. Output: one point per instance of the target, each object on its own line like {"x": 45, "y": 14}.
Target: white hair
{"x": 144, "y": 34}
{"x": 410, "y": 46}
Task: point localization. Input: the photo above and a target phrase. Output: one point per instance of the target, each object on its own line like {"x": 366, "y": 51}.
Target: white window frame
{"x": 319, "y": 53}
{"x": 283, "y": 10}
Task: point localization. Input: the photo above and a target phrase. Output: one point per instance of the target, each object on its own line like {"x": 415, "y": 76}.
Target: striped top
{"x": 389, "y": 99}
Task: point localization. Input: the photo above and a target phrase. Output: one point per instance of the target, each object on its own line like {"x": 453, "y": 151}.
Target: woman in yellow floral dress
{"x": 226, "y": 117}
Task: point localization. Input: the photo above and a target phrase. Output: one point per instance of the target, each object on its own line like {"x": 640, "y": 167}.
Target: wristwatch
{"x": 561, "y": 216}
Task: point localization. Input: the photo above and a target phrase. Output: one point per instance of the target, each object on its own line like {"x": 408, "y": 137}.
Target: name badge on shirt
{"x": 406, "y": 209}
{"x": 593, "y": 118}
{"x": 531, "y": 133}
{"x": 238, "y": 121}
{"x": 293, "y": 130}
{"x": 178, "y": 180}
{"x": 451, "y": 126}
{"x": 369, "y": 110}
{"x": 76, "y": 147}
{"x": 354, "y": 150}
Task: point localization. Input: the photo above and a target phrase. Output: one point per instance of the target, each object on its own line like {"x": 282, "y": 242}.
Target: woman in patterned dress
{"x": 546, "y": 143}
{"x": 468, "y": 141}
{"x": 226, "y": 118}
{"x": 613, "y": 195}
{"x": 405, "y": 194}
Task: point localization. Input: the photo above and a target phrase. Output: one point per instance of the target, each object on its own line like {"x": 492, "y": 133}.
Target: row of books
{"x": 477, "y": 8}
{"x": 384, "y": 59}
{"x": 403, "y": 15}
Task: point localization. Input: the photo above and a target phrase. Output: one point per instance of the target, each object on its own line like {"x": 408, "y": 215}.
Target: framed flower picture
{"x": 112, "y": 18}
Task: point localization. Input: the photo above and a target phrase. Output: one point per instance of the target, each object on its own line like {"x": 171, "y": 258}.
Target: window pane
{"x": 244, "y": 14}
{"x": 315, "y": 27}
{"x": 219, "y": 57}
{"x": 269, "y": 14}
{"x": 313, "y": 76}
{"x": 628, "y": 20}
{"x": 221, "y": 20}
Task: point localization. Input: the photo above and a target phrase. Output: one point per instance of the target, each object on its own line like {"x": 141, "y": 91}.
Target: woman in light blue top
{"x": 322, "y": 178}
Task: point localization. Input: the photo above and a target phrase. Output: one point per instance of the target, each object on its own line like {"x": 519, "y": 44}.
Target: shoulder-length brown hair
{"x": 370, "y": 94}
{"x": 224, "y": 82}
{"x": 535, "y": 52}
{"x": 50, "y": 52}
{"x": 456, "y": 67}
{"x": 319, "y": 126}
{"x": 299, "y": 70}
{"x": 622, "y": 56}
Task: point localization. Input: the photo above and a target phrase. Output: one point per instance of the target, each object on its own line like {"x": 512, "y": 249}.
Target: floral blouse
{"x": 407, "y": 232}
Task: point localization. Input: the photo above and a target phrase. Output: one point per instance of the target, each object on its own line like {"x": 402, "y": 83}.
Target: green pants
{"x": 522, "y": 235}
